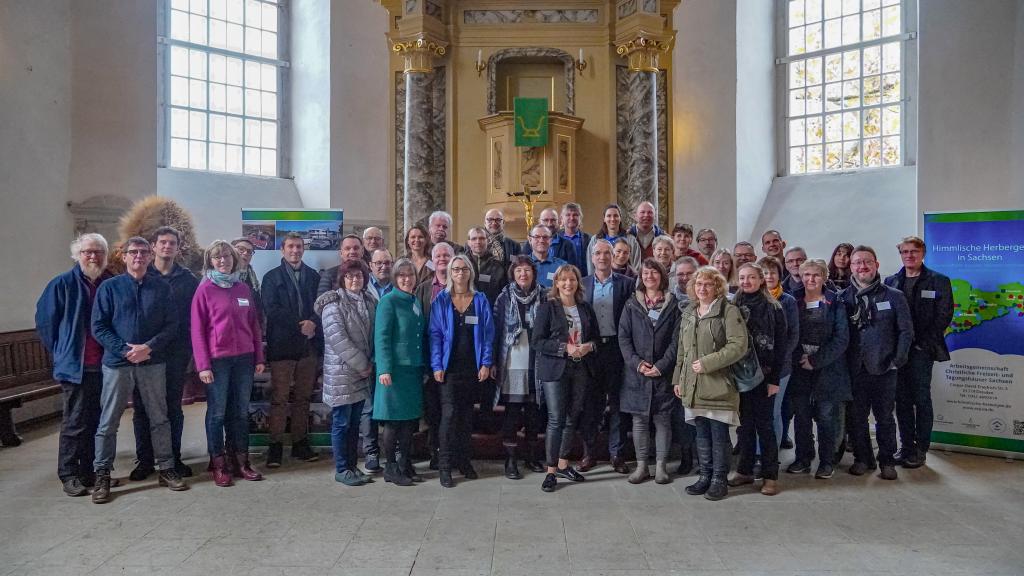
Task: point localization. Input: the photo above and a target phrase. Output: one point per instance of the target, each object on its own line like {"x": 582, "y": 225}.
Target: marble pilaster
{"x": 641, "y": 140}
{"x": 419, "y": 147}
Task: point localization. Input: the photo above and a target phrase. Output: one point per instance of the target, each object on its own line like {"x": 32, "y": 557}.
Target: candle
{"x": 580, "y": 59}
{"x": 479, "y": 58}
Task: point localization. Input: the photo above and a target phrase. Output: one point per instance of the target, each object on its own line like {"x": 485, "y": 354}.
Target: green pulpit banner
{"x": 531, "y": 121}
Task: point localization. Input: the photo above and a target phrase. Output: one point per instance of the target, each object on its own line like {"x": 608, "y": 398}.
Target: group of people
{"x": 629, "y": 329}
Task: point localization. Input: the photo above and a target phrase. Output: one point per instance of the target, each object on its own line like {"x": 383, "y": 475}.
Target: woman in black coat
{"x": 648, "y": 338}
{"x": 563, "y": 339}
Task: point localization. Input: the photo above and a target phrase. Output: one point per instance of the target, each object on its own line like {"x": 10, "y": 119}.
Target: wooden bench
{"x": 25, "y": 375}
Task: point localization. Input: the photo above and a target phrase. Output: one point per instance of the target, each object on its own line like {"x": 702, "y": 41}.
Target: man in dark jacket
{"x": 501, "y": 246}
{"x": 558, "y": 249}
{"x": 135, "y": 320}
{"x": 930, "y": 297}
{"x": 881, "y": 331}
{"x": 63, "y": 314}
{"x": 166, "y": 246}
{"x": 572, "y": 219}
{"x": 351, "y": 249}
{"x": 490, "y": 273}
{"x": 607, "y": 292}
{"x": 294, "y": 341}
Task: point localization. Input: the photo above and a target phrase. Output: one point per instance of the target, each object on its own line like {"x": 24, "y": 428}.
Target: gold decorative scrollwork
{"x": 419, "y": 54}
{"x": 643, "y": 53}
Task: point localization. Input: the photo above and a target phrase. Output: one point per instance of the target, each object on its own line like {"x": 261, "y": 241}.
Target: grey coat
{"x": 348, "y": 346}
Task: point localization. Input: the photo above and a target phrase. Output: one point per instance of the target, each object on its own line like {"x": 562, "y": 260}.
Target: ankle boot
{"x": 641, "y": 473}
{"x": 685, "y": 460}
{"x": 718, "y": 489}
{"x": 241, "y": 468}
{"x": 661, "y": 473}
{"x": 641, "y": 443}
{"x": 511, "y": 468}
{"x": 393, "y": 474}
{"x": 703, "y": 482}
{"x": 221, "y": 475}
{"x": 532, "y": 463}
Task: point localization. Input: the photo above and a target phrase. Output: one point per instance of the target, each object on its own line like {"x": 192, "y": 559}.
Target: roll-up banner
{"x": 978, "y": 396}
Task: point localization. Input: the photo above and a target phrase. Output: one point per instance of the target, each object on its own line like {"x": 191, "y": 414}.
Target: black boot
{"x": 446, "y": 479}
{"x": 685, "y": 460}
{"x": 718, "y": 488}
{"x": 703, "y": 482}
{"x": 511, "y": 468}
{"x": 532, "y": 463}
{"x": 393, "y": 474}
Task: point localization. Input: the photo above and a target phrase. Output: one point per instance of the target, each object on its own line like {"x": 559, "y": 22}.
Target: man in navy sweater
{"x": 135, "y": 320}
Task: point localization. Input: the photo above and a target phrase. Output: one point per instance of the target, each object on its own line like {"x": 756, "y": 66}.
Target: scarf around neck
{"x": 496, "y": 244}
{"x": 776, "y": 292}
{"x": 864, "y": 315}
{"x": 513, "y": 320}
{"x": 222, "y": 280}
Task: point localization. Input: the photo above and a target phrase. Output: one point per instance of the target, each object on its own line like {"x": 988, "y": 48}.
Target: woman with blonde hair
{"x": 227, "y": 345}
{"x": 722, "y": 261}
{"x": 712, "y": 337}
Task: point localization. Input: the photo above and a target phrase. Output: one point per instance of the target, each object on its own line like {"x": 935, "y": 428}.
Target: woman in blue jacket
{"x": 461, "y": 357}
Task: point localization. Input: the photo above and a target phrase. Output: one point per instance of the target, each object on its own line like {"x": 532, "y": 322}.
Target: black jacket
{"x": 281, "y": 305}
{"x": 622, "y": 290}
{"x": 931, "y": 308}
{"x": 641, "y": 340}
{"x": 490, "y": 275}
{"x": 830, "y": 378}
{"x": 183, "y": 287}
{"x": 882, "y": 342}
{"x": 551, "y": 334}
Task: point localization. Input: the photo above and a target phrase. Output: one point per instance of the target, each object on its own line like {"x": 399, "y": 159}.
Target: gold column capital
{"x": 643, "y": 52}
{"x": 419, "y": 53}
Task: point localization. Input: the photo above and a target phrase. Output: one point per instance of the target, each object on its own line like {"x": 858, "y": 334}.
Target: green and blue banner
{"x": 978, "y": 396}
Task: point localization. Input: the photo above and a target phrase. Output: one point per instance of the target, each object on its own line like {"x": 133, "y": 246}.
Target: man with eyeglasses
{"x": 380, "y": 275}
{"x": 540, "y": 245}
{"x": 373, "y": 239}
{"x": 63, "y": 314}
{"x": 135, "y": 320}
{"x": 557, "y": 248}
{"x": 930, "y": 297}
{"x": 166, "y": 247}
{"x": 707, "y": 242}
{"x": 792, "y": 260}
{"x": 501, "y": 246}
{"x": 489, "y": 271}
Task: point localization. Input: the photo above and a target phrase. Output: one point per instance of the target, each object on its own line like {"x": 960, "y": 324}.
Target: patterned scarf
{"x": 249, "y": 277}
{"x": 513, "y": 321}
{"x": 496, "y": 244}
{"x": 864, "y": 316}
{"x": 776, "y": 292}
{"x": 222, "y": 280}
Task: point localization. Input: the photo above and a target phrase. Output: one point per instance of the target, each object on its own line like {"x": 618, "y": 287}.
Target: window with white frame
{"x": 223, "y": 83}
{"x": 845, "y": 84}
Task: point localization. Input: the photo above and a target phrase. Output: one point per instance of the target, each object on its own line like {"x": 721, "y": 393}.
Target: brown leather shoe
{"x": 770, "y": 487}
{"x": 586, "y": 464}
{"x": 619, "y": 465}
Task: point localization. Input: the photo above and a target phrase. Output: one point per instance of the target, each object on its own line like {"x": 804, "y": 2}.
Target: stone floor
{"x": 960, "y": 515}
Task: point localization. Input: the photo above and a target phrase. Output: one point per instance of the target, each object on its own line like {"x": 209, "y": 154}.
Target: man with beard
{"x": 501, "y": 246}
{"x": 490, "y": 273}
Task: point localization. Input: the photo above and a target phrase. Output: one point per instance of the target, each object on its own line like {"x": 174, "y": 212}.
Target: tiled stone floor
{"x": 960, "y": 515}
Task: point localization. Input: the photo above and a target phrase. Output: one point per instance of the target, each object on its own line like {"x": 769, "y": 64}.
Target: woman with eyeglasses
{"x": 400, "y": 352}
{"x": 461, "y": 357}
{"x": 227, "y": 345}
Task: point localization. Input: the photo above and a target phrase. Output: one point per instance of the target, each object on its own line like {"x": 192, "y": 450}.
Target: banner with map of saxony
{"x": 978, "y": 396}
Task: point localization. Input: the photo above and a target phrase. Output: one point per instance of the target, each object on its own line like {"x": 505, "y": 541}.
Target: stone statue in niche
{"x": 531, "y": 164}
{"x": 563, "y": 165}
{"x": 497, "y": 164}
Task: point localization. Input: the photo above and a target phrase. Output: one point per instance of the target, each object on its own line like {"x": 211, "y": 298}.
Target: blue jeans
{"x": 227, "y": 404}
{"x": 118, "y": 385}
{"x": 714, "y": 447}
{"x": 345, "y": 435}
{"x": 825, "y": 413}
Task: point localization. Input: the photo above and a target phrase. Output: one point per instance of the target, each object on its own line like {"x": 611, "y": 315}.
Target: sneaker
{"x": 550, "y": 481}
{"x": 274, "y": 453}
{"x": 101, "y": 494}
{"x": 787, "y": 444}
{"x": 700, "y": 486}
{"x": 888, "y": 472}
{"x": 142, "y": 471}
{"x": 372, "y": 464}
{"x": 183, "y": 470}
{"x": 73, "y": 487}
{"x": 171, "y": 479}
{"x": 901, "y": 456}
{"x": 799, "y": 467}
{"x": 302, "y": 451}
{"x": 569, "y": 473}
{"x": 824, "y": 472}
{"x": 366, "y": 478}
{"x": 348, "y": 478}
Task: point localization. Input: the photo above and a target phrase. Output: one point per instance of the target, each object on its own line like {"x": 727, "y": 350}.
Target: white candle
{"x": 580, "y": 59}
{"x": 479, "y": 57}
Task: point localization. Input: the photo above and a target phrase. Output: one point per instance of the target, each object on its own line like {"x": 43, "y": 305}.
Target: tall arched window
{"x": 845, "y": 84}
{"x": 222, "y": 82}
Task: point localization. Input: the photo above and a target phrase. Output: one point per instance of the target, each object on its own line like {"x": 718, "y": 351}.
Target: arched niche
{"x": 530, "y": 55}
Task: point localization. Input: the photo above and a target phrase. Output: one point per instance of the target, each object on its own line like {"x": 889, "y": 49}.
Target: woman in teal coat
{"x": 400, "y": 347}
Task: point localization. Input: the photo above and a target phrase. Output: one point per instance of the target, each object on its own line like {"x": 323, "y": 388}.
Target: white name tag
{"x": 813, "y": 304}
{"x": 485, "y": 277}
{"x": 551, "y": 276}
{"x": 928, "y": 294}
{"x": 243, "y": 301}
{"x": 416, "y": 308}
{"x": 883, "y": 306}
{"x": 654, "y": 314}
{"x": 471, "y": 320}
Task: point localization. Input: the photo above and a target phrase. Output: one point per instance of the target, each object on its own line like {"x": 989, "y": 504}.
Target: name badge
{"x": 814, "y": 304}
{"x": 551, "y": 276}
{"x": 416, "y": 308}
{"x": 883, "y": 306}
{"x": 243, "y": 301}
{"x": 471, "y": 320}
{"x": 485, "y": 277}
{"x": 928, "y": 294}
{"x": 654, "y": 314}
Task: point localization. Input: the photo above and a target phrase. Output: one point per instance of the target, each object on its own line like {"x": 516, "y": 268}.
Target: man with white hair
{"x": 63, "y": 314}
{"x": 373, "y": 239}
{"x": 439, "y": 226}
{"x": 501, "y": 246}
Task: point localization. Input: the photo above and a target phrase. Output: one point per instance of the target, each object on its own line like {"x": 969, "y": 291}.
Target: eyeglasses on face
{"x": 242, "y": 250}
{"x": 221, "y": 257}
{"x": 138, "y": 252}
{"x": 494, "y": 220}
{"x": 541, "y": 237}
{"x": 382, "y": 263}
{"x": 93, "y": 252}
{"x": 459, "y": 270}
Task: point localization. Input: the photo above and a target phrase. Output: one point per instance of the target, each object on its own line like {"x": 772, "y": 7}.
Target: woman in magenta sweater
{"x": 227, "y": 345}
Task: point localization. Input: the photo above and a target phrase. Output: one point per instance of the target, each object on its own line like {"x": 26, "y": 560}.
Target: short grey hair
{"x": 795, "y": 249}
{"x": 76, "y": 244}
{"x": 688, "y": 260}
{"x": 443, "y": 245}
{"x": 440, "y": 214}
{"x": 402, "y": 266}
{"x": 663, "y": 239}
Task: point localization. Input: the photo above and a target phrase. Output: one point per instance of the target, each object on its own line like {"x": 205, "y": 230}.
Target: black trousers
{"x": 914, "y": 412}
{"x": 756, "y": 408}
{"x": 603, "y": 393}
{"x": 564, "y": 399}
{"x": 458, "y": 394}
{"x": 396, "y": 440}
{"x": 77, "y": 445}
{"x": 874, "y": 395}
{"x": 432, "y": 413}
{"x": 175, "y": 368}
{"x": 520, "y": 415}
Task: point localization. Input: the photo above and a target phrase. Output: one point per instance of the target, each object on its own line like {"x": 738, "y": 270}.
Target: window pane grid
{"x": 223, "y": 103}
{"x": 844, "y": 103}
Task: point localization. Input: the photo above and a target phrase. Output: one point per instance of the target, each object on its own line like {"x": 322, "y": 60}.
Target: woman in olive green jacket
{"x": 712, "y": 337}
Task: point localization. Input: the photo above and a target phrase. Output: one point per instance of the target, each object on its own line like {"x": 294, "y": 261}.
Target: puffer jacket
{"x": 348, "y": 346}
{"x": 699, "y": 339}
